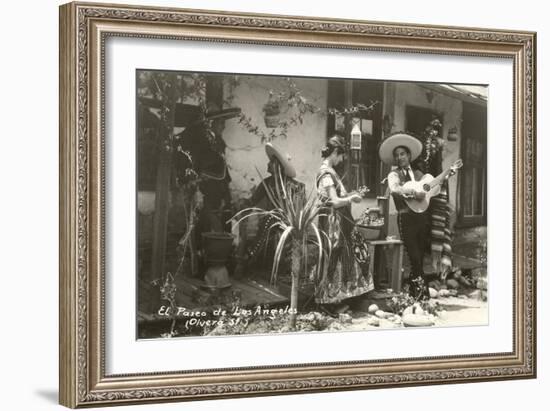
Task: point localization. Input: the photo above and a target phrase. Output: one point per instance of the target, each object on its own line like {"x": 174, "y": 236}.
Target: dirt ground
{"x": 449, "y": 311}
{"x": 456, "y": 312}
{"x": 460, "y": 311}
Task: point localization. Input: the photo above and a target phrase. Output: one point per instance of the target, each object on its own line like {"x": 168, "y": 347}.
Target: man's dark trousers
{"x": 414, "y": 233}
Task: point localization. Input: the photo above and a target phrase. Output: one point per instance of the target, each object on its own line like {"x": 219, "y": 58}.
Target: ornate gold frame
{"x": 83, "y": 30}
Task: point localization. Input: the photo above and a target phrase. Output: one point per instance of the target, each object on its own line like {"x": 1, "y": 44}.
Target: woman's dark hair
{"x": 336, "y": 142}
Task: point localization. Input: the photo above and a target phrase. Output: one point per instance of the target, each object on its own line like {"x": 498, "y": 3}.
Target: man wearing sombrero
{"x": 202, "y": 139}
{"x": 277, "y": 160}
{"x": 400, "y": 150}
{"x": 278, "y": 163}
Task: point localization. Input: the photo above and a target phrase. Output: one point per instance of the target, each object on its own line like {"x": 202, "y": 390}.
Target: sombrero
{"x": 400, "y": 139}
{"x": 186, "y": 114}
{"x": 288, "y": 168}
{"x": 224, "y": 114}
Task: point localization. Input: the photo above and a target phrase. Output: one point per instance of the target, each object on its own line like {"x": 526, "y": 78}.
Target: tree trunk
{"x": 296, "y": 264}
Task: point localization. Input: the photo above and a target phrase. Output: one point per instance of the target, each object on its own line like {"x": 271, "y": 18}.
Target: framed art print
{"x": 260, "y": 204}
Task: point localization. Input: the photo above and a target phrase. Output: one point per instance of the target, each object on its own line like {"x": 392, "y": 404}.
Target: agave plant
{"x": 295, "y": 217}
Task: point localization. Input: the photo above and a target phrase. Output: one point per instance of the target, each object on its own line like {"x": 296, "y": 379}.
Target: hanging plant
{"x": 356, "y": 109}
{"x": 272, "y": 112}
{"x": 453, "y": 134}
{"x": 283, "y": 110}
{"x": 288, "y": 108}
{"x": 432, "y": 140}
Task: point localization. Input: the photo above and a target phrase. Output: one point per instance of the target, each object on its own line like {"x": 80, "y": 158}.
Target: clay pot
{"x": 217, "y": 246}
{"x": 272, "y": 121}
{"x": 370, "y": 233}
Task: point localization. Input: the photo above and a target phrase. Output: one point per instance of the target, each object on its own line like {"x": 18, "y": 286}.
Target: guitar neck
{"x": 439, "y": 179}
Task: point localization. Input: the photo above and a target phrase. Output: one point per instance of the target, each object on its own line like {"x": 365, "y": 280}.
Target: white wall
{"x": 28, "y": 212}
{"x": 245, "y": 151}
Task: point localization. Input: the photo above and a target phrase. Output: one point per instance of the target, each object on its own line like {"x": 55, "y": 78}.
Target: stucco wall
{"x": 304, "y": 142}
{"x": 245, "y": 151}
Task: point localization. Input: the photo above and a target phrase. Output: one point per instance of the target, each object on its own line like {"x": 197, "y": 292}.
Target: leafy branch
{"x": 354, "y": 109}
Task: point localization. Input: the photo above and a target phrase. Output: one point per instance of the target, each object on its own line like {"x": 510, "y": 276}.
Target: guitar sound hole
{"x": 426, "y": 187}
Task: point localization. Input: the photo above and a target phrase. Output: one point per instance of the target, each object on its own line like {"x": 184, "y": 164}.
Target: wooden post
{"x": 214, "y": 91}
{"x": 162, "y": 192}
{"x": 214, "y": 101}
{"x": 160, "y": 218}
{"x": 348, "y": 103}
{"x": 388, "y": 115}
{"x": 397, "y": 274}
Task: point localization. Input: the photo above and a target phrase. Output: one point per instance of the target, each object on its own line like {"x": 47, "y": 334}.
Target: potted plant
{"x": 272, "y": 111}
{"x": 295, "y": 218}
{"x": 218, "y": 247}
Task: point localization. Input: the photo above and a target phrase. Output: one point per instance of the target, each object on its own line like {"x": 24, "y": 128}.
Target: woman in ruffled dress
{"x": 345, "y": 273}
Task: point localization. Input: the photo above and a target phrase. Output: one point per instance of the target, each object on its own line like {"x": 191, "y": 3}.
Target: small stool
{"x": 386, "y": 263}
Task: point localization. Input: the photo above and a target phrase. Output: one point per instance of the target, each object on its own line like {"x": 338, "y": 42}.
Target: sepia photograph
{"x": 271, "y": 204}
{"x": 268, "y": 204}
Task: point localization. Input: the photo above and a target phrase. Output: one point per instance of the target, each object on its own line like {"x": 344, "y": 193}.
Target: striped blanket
{"x": 441, "y": 235}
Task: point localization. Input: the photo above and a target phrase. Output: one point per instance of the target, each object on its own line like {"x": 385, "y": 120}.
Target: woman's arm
{"x": 338, "y": 202}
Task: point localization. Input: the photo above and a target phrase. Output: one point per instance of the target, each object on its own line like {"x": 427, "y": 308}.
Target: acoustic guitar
{"x": 430, "y": 185}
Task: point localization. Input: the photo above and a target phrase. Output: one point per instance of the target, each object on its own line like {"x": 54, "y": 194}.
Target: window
{"x": 362, "y": 167}
{"x": 419, "y": 117}
{"x": 473, "y": 176}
